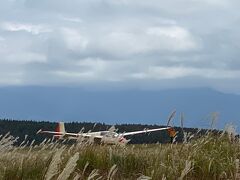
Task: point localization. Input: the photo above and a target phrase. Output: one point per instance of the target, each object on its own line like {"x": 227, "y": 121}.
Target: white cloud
{"x": 147, "y": 40}
{"x": 94, "y": 70}
{"x": 25, "y": 58}
{"x": 175, "y": 37}
{"x": 72, "y": 19}
{"x": 34, "y": 29}
{"x": 74, "y": 40}
{"x": 13, "y": 77}
{"x": 180, "y": 72}
{"x": 70, "y": 75}
{"x": 223, "y": 3}
{"x": 128, "y": 42}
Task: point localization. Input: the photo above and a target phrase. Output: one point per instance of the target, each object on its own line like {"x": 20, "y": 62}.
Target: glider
{"x": 106, "y": 137}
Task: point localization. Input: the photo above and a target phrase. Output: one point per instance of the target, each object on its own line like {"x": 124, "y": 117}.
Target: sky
{"x": 121, "y": 44}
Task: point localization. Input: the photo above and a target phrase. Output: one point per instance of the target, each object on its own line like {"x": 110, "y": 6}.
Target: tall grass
{"x": 211, "y": 156}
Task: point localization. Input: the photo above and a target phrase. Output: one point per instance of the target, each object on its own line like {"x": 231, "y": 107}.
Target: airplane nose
{"x": 123, "y": 140}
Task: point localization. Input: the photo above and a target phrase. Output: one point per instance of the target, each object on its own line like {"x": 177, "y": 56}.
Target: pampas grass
{"x": 53, "y": 168}
{"x": 210, "y": 156}
{"x": 70, "y": 166}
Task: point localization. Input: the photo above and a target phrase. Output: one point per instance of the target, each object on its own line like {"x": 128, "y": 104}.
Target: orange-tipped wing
{"x": 171, "y": 131}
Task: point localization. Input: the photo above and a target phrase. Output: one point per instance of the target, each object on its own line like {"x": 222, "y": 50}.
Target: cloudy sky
{"x": 140, "y": 44}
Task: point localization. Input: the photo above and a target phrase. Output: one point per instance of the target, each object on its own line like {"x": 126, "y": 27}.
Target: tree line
{"x": 28, "y": 128}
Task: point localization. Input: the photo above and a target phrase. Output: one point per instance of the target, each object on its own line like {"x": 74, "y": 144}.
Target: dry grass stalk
{"x": 142, "y": 177}
{"x": 71, "y": 164}
{"x": 112, "y": 172}
{"x": 53, "y": 168}
{"x": 93, "y": 174}
{"x": 186, "y": 170}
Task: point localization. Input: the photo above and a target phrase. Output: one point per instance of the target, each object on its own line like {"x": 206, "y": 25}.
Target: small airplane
{"x": 106, "y": 137}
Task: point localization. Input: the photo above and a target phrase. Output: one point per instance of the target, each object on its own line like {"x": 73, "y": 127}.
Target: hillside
{"x": 118, "y": 107}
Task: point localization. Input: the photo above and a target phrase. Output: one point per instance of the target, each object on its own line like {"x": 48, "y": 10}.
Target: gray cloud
{"x": 121, "y": 43}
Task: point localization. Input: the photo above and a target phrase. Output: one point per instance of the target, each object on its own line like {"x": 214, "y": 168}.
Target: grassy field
{"x": 208, "y": 157}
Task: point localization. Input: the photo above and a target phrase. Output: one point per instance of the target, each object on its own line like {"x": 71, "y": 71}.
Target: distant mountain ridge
{"x": 126, "y": 106}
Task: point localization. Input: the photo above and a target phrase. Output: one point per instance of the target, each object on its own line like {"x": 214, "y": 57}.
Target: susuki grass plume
{"x": 208, "y": 156}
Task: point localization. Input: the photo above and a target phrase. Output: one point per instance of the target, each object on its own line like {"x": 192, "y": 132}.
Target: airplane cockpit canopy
{"x": 109, "y": 134}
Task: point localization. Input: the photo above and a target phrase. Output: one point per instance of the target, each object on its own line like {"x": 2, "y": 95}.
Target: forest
{"x": 27, "y": 129}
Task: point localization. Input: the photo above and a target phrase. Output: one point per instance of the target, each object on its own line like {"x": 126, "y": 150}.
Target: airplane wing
{"x": 57, "y": 133}
{"x": 144, "y": 131}
{"x": 65, "y": 134}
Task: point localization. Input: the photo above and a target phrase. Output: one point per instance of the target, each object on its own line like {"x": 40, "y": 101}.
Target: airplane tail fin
{"x": 58, "y": 133}
{"x": 60, "y": 129}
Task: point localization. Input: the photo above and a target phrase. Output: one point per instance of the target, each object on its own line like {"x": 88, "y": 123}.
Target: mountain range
{"x": 124, "y": 106}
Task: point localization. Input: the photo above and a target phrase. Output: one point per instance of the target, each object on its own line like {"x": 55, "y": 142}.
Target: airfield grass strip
{"x": 206, "y": 157}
